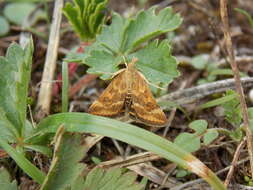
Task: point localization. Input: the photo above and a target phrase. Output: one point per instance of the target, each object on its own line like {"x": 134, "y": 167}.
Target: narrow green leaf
{"x": 86, "y": 17}
{"x": 39, "y": 148}
{"x": 228, "y": 72}
{"x": 218, "y": 101}
{"x": 82, "y": 122}
{"x": 245, "y": 13}
{"x": 65, "y": 87}
{"x": 14, "y": 86}
{"x": 23, "y": 163}
{"x": 5, "y": 180}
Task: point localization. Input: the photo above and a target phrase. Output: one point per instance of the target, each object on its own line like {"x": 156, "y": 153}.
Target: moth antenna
{"x": 125, "y": 62}
{"x": 156, "y": 86}
{"x": 102, "y": 72}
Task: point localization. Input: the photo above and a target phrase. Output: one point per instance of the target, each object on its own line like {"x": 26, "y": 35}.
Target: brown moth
{"x": 129, "y": 93}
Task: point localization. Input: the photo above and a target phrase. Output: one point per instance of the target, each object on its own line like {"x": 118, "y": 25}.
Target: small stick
{"x": 189, "y": 95}
{"x": 238, "y": 85}
{"x": 234, "y": 162}
{"x": 45, "y": 93}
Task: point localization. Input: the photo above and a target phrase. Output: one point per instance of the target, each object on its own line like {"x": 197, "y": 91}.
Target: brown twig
{"x": 189, "y": 95}
{"x": 45, "y": 93}
{"x": 234, "y": 162}
{"x": 238, "y": 85}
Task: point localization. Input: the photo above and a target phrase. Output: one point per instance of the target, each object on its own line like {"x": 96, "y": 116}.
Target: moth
{"x": 129, "y": 93}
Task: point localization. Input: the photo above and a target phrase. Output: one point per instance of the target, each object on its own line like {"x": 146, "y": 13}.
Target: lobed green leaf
{"x": 65, "y": 166}
{"x": 148, "y": 25}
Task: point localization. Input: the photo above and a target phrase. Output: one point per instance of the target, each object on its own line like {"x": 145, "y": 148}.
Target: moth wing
{"x": 144, "y": 105}
{"x": 111, "y": 101}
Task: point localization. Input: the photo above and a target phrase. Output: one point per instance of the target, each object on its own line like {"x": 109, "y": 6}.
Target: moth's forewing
{"x": 144, "y": 105}
{"x": 111, "y": 101}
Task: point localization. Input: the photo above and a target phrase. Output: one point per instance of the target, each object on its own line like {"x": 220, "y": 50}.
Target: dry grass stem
{"x": 238, "y": 85}
{"x": 45, "y": 94}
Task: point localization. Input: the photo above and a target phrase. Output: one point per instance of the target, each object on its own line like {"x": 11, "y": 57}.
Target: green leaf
{"x": 65, "y": 166}
{"x": 188, "y": 142}
{"x": 7, "y": 130}
{"x": 4, "y": 26}
{"x": 14, "y": 86}
{"x": 181, "y": 173}
{"x": 232, "y": 109}
{"x": 86, "y": 17}
{"x": 83, "y": 122}
{"x": 200, "y": 61}
{"x": 210, "y": 136}
{"x": 18, "y": 12}
{"x": 228, "y": 72}
{"x": 99, "y": 179}
{"x": 148, "y": 25}
{"x": 218, "y": 101}
{"x": 245, "y": 13}
{"x": 65, "y": 87}
{"x": 23, "y": 163}
{"x": 5, "y": 180}
{"x": 123, "y": 36}
{"x": 199, "y": 126}
{"x": 39, "y": 148}
{"x": 102, "y": 63}
{"x": 237, "y": 134}
{"x": 111, "y": 36}
{"x": 156, "y": 62}
{"x": 95, "y": 160}
{"x": 250, "y": 111}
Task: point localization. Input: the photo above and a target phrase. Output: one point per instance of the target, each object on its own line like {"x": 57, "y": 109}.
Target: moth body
{"x": 129, "y": 93}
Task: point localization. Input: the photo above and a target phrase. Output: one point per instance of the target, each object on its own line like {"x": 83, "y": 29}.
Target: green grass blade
{"x": 23, "y": 163}
{"x": 65, "y": 87}
{"x": 82, "y": 122}
{"x": 217, "y": 101}
{"x": 245, "y": 13}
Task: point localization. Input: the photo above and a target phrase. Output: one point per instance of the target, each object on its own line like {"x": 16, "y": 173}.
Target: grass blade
{"x": 65, "y": 87}
{"x": 82, "y": 122}
{"x": 23, "y": 163}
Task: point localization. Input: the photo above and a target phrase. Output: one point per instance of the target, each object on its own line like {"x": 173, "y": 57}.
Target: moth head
{"x": 131, "y": 65}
